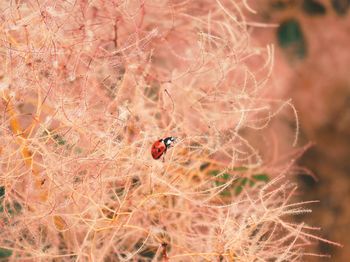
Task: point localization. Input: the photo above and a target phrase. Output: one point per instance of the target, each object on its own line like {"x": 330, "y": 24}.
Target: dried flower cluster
{"x": 86, "y": 88}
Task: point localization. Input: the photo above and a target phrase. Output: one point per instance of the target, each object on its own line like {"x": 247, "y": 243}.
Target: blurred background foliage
{"x": 312, "y": 62}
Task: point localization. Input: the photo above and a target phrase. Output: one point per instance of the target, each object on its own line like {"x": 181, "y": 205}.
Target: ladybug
{"x": 160, "y": 147}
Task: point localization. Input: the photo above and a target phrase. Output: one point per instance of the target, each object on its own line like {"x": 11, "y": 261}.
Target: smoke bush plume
{"x": 88, "y": 86}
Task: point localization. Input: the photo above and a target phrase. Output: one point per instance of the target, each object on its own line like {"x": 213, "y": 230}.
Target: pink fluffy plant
{"x": 87, "y": 87}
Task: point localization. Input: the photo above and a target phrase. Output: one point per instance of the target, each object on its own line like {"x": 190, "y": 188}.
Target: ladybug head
{"x": 169, "y": 141}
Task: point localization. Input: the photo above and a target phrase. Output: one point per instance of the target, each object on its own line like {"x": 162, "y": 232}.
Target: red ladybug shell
{"x": 158, "y": 149}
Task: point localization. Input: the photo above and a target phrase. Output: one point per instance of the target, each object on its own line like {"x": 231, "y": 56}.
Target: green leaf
{"x": 148, "y": 253}
{"x": 59, "y": 139}
{"x": 214, "y": 172}
{"x": 244, "y": 181}
{"x": 204, "y": 166}
{"x": 225, "y": 176}
{"x": 313, "y": 7}
{"x": 17, "y": 207}
{"x": 78, "y": 150}
{"x": 222, "y": 179}
{"x": 4, "y": 253}
{"x": 279, "y": 5}
{"x": 291, "y": 38}
{"x": 261, "y": 177}
{"x": 226, "y": 192}
{"x": 152, "y": 91}
{"x": 251, "y": 183}
{"x": 238, "y": 184}
{"x": 2, "y": 194}
{"x": 9, "y": 209}
{"x": 14, "y": 208}
{"x": 219, "y": 183}
{"x": 240, "y": 168}
{"x": 2, "y": 191}
{"x": 238, "y": 190}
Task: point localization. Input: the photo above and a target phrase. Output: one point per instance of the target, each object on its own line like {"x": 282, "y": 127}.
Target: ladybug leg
{"x": 163, "y": 157}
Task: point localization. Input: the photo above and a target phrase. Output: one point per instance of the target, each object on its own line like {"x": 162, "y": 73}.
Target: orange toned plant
{"x": 86, "y": 89}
